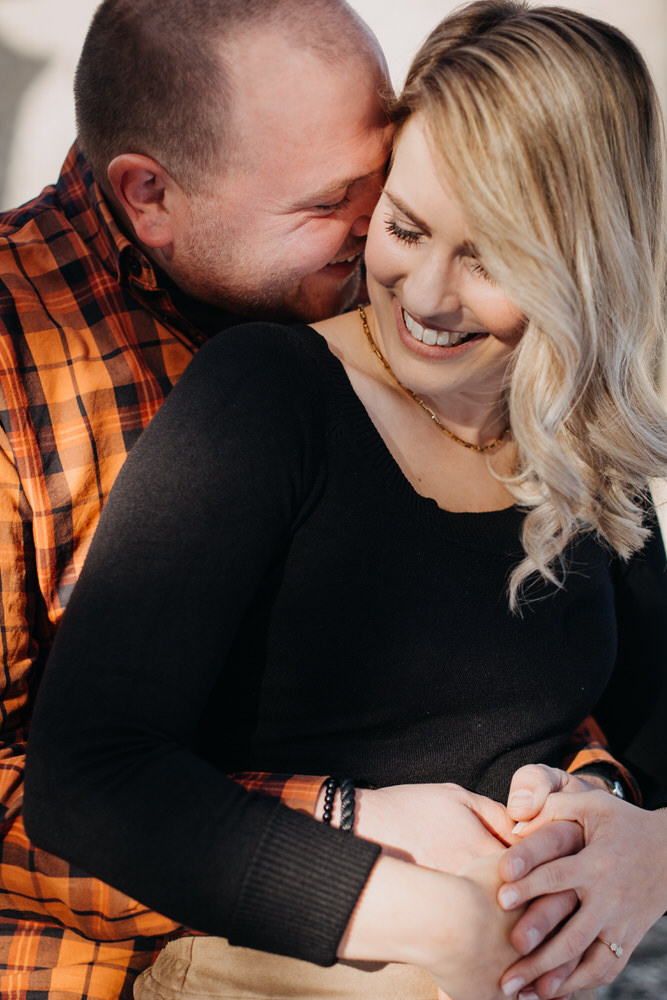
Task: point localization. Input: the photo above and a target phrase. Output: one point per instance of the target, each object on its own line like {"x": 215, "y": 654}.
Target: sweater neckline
{"x": 497, "y": 530}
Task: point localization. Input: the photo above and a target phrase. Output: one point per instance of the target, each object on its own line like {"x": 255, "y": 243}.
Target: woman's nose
{"x": 434, "y": 293}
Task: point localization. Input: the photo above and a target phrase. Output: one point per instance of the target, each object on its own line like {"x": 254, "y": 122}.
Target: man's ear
{"x": 145, "y": 191}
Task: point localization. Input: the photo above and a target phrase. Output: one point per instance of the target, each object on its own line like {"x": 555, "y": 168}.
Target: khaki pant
{"x": 203, "y": 968}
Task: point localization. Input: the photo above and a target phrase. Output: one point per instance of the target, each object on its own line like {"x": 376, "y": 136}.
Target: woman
{"x": 393, "y": 550}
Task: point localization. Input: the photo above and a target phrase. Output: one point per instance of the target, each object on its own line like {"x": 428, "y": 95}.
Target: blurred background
{"x": 40, "y": 42}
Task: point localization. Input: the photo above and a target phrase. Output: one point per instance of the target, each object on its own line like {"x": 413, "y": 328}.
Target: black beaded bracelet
{"x": 329, "y": 796}
{"x": 347, "y": 802}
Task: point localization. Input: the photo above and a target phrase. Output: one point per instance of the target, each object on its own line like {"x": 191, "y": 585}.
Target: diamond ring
{"x": 616, "y": 948}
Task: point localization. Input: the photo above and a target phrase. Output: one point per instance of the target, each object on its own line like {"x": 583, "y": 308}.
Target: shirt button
{"x": 134, "y": 267}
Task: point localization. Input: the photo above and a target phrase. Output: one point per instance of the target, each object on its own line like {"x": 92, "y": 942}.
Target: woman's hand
{"x": 534, "y": 783}
{"x": 529, "y": 791}
{"x": 449, "y": 925}
{"x": 436, "y": 826}
{"x": 619, "y": 877}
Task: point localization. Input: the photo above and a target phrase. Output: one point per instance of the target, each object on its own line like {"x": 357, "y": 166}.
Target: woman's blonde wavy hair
{"x": 548, "y": 126}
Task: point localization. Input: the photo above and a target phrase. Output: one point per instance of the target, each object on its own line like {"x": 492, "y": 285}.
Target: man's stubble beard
{"x": 279, "y": 298}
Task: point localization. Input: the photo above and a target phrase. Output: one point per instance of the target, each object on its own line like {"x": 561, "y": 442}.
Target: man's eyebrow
{"x": 341, "y": 185}
{"x": 402, "y": 207}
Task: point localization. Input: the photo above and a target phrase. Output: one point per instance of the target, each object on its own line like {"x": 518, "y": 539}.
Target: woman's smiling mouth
{"x": 436, "y": 338}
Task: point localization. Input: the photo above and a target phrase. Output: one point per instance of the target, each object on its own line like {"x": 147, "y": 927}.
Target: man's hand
{"x": 449, "y": 926}
{"x": 597, "y": 851}
{"x": 436, "y": 826}
{"x": 490, "y": 938}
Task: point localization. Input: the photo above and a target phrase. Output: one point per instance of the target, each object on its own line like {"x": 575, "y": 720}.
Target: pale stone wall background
{"x": 40, "y": 42}
{"x": 39, "y": 46}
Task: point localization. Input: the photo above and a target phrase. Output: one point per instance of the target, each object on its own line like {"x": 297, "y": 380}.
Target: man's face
{"x": 281, "y": 232}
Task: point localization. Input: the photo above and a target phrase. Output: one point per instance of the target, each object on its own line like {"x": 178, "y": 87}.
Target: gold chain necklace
{"x": 427, "y": 409}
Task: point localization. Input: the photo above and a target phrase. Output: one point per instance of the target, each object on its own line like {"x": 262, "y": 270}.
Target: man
{"x": 228, "y": 158}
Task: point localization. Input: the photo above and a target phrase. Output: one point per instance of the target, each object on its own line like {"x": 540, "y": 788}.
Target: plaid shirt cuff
{"x": 298, "y": 791}
{"x": 589, "y": 746}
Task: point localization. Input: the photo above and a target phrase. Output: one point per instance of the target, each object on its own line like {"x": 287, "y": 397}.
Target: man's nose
{"x": 360, "y": 225}
{"x": 363, "y": 205}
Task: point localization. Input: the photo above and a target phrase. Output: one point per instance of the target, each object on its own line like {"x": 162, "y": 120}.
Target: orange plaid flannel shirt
{"x": 90, "y": 345}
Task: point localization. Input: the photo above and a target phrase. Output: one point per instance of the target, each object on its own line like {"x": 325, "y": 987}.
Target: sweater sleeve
{"x": 633, "y": 709}
{"x": 113, "y": 783}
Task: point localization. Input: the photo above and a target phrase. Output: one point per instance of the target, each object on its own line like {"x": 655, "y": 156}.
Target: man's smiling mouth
{"x": 345, "y": 260}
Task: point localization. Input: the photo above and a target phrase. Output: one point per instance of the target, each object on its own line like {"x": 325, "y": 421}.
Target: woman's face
{"x": 444, "y": 326}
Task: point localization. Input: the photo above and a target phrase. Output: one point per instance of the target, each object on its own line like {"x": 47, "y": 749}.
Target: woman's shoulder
{"x": 264, "y": 367}
{"x": 265, "y": 345}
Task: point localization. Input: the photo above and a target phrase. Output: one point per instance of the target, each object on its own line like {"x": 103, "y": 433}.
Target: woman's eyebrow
{"x": 469, "y": 247}
{"x": 403, "y": 208}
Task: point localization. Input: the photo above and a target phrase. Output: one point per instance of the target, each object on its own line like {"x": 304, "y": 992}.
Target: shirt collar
{"x": 90, "y": 215}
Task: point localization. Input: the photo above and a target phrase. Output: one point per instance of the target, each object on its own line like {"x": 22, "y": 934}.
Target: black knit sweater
{"x": 266, "y": 591}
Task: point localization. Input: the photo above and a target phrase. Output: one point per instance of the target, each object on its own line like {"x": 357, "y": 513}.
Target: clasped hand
{"x": 445, "y": 827}
{"x": 586, "y": 855}
{"x": 439, "y": 826}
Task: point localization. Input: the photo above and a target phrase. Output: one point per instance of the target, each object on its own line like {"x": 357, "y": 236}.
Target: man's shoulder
{"x": 43, "y": 269}
{"x": 36, "y": 239}
{"x": 50, "y": 211}
{"x": 36, "y": 216}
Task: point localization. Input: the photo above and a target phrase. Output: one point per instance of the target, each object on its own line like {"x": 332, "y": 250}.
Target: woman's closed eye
{"x": 476, "y": 268}
{"x": 408, "y": 236}
{"x": 470, "y": 257}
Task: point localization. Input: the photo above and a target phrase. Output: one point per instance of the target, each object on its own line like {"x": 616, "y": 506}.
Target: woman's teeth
{"x": 441, "y": 338}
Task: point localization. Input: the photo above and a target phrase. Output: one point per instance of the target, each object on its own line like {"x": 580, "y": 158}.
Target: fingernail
{"x": 517, "y": 868}
{"x": 518, "y": 827}
{"x": 528, "y": 995}
{"x": 532, "y": 938}
{"x": 513, "y": 986}
{"x": 520, "y": 800}
{"x": 556, "y": 985}
{"x": 507, "y": 897}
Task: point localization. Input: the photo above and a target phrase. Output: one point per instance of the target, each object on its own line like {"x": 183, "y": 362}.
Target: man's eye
{"x": 337, "y": 205}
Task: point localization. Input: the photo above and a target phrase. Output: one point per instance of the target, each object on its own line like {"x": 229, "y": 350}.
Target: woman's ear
{"x": 144, "y": 190}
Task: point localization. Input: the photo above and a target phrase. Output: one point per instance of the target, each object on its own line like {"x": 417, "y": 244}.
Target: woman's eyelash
{"x": 406, "y": 235}
{"x": 477, "y": 268}
{"x": 411, "y": 237}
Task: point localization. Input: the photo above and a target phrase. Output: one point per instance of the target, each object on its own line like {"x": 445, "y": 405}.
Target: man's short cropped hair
{"x": 152, "y": 77}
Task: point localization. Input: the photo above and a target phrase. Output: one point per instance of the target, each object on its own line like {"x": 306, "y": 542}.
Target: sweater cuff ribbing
{"x": 301, "y": 888}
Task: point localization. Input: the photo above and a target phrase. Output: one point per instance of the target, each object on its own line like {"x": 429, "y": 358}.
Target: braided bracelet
{"x": 346, "y": 805}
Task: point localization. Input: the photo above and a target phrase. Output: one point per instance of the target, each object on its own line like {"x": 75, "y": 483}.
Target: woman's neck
{"x": 457, "y": 478}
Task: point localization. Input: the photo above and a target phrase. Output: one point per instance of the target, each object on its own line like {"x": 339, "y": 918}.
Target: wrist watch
{"x": 607, "y": 774}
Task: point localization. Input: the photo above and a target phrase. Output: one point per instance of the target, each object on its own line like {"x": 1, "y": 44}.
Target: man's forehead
{"x": 305, "y": 127}
{"x": 298, "y": 170}
{"x": 268, "y": 74}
